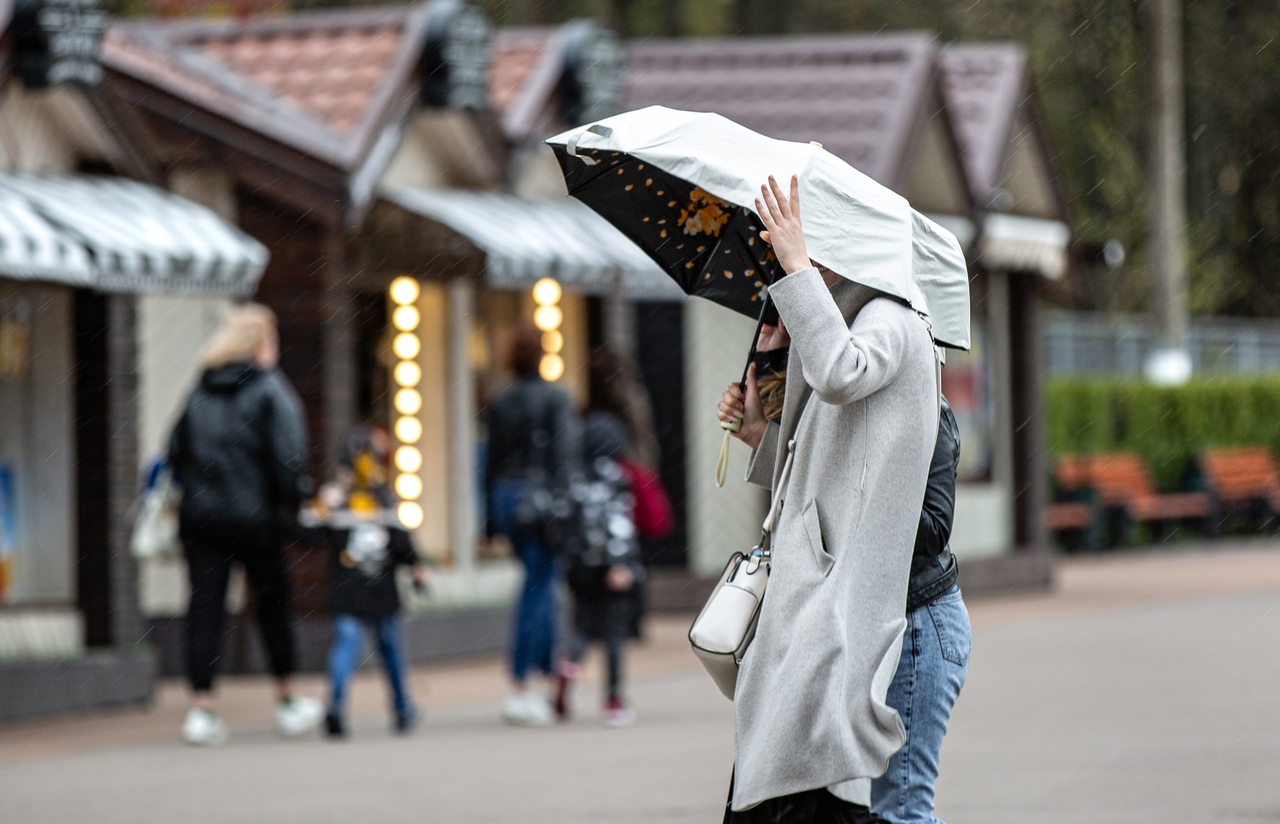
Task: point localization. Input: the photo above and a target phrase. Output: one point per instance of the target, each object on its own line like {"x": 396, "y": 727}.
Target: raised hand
{"x": 783, "y": 231}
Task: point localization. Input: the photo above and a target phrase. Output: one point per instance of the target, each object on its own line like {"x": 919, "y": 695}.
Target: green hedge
{"x": 1167, "y": 427}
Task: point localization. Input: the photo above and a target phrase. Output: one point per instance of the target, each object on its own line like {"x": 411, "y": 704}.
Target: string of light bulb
{"x": 407, "y": 374}
{"x": 548, "y": 317}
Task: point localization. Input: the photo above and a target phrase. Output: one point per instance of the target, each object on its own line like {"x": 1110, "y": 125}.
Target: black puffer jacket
{"x": 240, "y": 448}
{"x": 933, "y": 568}
{"x": 532, "y": 430}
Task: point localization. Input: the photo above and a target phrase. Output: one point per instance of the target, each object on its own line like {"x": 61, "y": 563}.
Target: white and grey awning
{"x": 32, "y": 249}
{"x": 118, "y": 235}
{"x": 526, "y": 239}
{"x": 1023, "y": 244}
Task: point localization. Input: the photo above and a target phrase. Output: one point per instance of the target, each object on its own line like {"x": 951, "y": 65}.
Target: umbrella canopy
{"x": 682, "y": 186}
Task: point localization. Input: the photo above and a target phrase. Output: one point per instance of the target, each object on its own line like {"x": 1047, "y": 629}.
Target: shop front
{"x": 80, "y": 244}
{"x": 393, "y": 174}
{"x": 1021, "y": 245}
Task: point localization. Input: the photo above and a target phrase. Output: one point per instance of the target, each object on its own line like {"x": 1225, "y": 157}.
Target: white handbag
{"x": 155, "y": 531}
{"x": 726, "y": 625}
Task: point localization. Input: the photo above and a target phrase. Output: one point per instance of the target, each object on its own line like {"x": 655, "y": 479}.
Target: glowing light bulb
{"x": 552, "y": 342}
{"x": 406, "y": 346}
{"x": 548, "y": 318}
{"x": 405, "y": 318}
{"x": 404, "y": 290}
{"x": 409, "y": 487}
{"x": 408, "y": 401}
{"x": 551, "y": 368}
{"x": 408, "y": 430}
{"x": 410, "y": 515}
{"x": 407, "y": 373}
{"x": 408, "y": 459}
{"x": 546, "y": 292}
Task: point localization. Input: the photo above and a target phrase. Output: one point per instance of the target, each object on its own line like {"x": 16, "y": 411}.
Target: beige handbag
{"x": 726, "y": 625}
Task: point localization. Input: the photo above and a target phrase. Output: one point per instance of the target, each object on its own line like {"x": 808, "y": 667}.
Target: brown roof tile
{"x": 985, "y": 86}
{"x": 857, "y": 95}
{"x": 332, "y": 74}
{"x": 321, "y": 81}
{"x": 515, "y": 55}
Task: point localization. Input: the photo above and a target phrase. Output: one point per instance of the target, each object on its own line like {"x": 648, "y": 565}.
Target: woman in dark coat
{"x": 532, "y": 448}
{"x": 239, "y": 452}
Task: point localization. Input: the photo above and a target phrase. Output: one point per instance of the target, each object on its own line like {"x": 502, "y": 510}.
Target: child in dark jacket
{"x": 367, "y": 543}
{"x": 603, "y": 567}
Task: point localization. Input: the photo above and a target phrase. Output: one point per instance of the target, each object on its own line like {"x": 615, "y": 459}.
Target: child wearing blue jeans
{"x": 367, "y": 543}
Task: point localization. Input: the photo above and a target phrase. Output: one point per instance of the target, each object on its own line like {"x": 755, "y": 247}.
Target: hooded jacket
{"x": 240, "y": 448}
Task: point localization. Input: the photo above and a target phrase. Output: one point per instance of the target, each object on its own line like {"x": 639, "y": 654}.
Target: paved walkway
{"x": 1146, "y": 688}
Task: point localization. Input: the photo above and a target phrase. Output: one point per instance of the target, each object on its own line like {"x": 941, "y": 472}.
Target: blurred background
{"x": 377, "y": 176}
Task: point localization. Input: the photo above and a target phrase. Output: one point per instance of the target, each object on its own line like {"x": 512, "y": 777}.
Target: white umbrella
{"x": 853, "y": 225}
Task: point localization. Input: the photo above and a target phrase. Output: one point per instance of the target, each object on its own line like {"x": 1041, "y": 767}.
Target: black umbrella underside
{"x": 710, "y": 247}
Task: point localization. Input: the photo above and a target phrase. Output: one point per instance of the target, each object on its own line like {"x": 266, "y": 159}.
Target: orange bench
{"x": 1242, "y": 479}
{"x": 1123, "y": 486}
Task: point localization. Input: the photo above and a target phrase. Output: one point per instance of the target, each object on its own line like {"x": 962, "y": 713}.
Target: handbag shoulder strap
{"x": 779, "y": 492}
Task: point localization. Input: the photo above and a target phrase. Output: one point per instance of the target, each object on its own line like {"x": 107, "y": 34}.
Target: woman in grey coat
{"x": 859, "y": 421}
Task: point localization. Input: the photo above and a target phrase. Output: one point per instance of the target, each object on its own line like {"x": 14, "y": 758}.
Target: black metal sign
{"x": 456, "y": 58}
{"x": 591, "y": 87}
{"x": 58, "y": 41}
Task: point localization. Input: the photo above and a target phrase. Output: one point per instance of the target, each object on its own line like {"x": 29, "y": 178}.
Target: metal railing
{"x": 1099, "y": 343}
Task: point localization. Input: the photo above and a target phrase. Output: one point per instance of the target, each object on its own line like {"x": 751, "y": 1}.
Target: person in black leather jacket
{"x": 933, "y": 568}
{"x": 239, "y": 452}
{"x": 935, "y": 647}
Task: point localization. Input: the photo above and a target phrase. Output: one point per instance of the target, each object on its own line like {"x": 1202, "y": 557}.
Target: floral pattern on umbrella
{"x": 710, "y": 247}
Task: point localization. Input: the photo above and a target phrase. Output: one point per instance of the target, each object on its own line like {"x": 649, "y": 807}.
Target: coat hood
{"x": 231, "y": 377}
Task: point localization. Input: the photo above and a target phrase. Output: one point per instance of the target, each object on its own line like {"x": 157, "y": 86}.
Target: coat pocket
{"x": 813, "y": 529}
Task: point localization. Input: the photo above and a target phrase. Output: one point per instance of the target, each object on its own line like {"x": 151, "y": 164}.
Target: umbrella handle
{"x": 722, "y": 465}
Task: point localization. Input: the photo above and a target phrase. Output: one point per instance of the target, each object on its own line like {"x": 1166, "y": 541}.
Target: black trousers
{"x": 808, "y": 807}
{"x": 210, "y": 551}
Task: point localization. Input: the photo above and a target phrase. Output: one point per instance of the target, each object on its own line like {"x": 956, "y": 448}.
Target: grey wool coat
{"x": 862, "y": 408}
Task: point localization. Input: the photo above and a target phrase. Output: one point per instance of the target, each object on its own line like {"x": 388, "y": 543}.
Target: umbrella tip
{"x": 815, "y": 143}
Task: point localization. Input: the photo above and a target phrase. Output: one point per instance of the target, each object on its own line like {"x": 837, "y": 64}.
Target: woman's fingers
{"x": 795, "y": 195}
{"x": 753, "y": 389}
{"x": 784, "y": 208}
{"x": 770, "y": 203}
{"x": 728, "y": 413}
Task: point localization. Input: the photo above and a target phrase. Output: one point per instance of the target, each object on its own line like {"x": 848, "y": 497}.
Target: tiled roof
{"x": 859, "y": 96}
{"x": 985, "y": 85}
{"x": 322, "y": 82}
{"x": 516, "y": 54}
{"x": 331, "y": 73}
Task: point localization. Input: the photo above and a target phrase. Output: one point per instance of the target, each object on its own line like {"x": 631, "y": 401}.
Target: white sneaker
{"x": 617, "y": 714}
{"x": 527, "y": 709}
{"x": 203, "y": 728}
{"x": 298, "y": 716}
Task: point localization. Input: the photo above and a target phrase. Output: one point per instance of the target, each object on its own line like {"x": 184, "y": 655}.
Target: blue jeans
{"x": 348, "y": 636}
{"x": 534, "y": 633}
{"x": 931, "y": 672}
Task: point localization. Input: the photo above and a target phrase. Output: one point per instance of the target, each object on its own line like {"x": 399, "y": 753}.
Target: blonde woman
{"x": 239, "y": 452}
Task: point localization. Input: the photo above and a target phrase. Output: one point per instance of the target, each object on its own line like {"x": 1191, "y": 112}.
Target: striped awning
{"x": 31, "y": 248}
{"x": 118, "y": 235}
{"x": 1025, "y": 244}
{"x": 525, "y": 239}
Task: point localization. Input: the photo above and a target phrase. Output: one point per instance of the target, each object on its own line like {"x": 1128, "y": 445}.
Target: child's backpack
{"x": 600, "y": 532}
